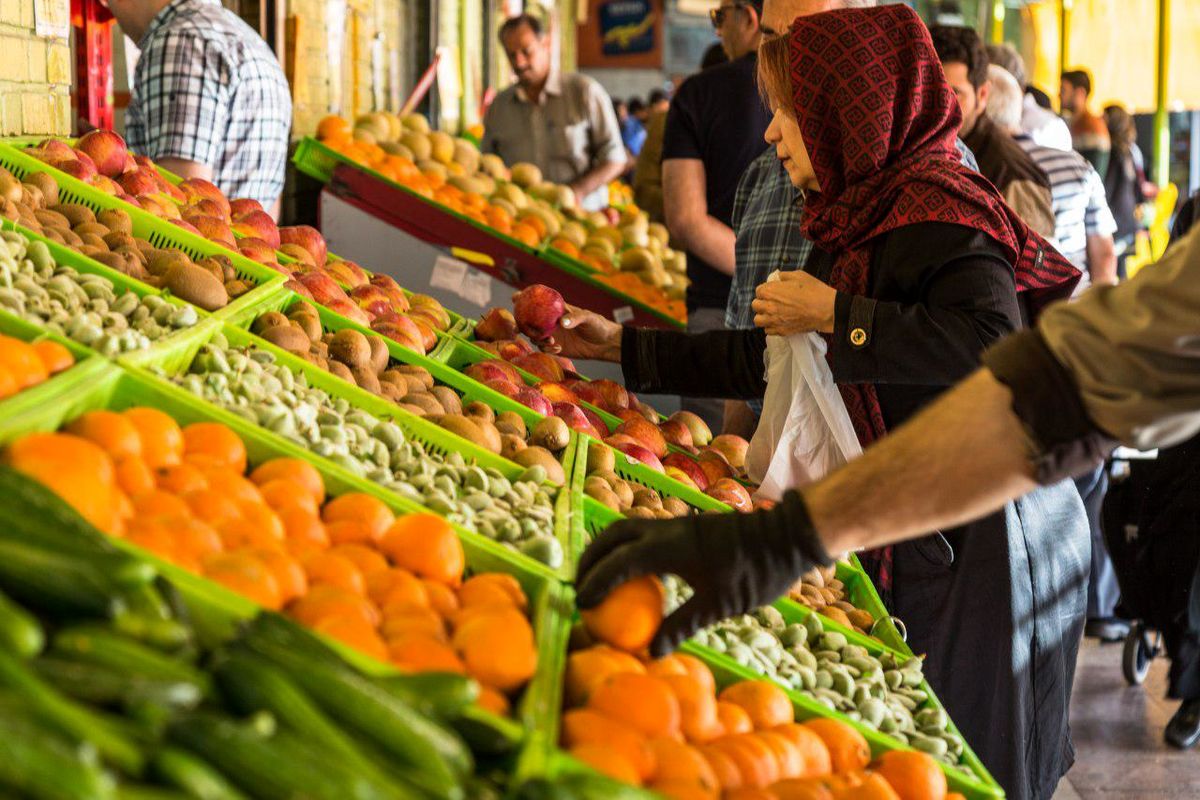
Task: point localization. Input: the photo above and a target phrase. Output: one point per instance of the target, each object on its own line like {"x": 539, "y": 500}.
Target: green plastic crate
{"x": 550, "y": 608}
{"x": 88, "y": 367}
{"x": 434, "y": 438}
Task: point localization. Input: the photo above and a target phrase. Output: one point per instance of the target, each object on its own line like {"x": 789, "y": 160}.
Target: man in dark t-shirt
{"x": 714, "y": 130}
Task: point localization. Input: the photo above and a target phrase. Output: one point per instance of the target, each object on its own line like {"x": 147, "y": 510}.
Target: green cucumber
{"x": 99, "y": 645}
{"x": 55, "y": 583}
{"x": 19, "y": 630}
{"x": 36, "y": 763}
{"x": 104, "y": 686}
{"x": 192, "y": 775}
{"x": 137, "y": 791}
{"x": 440, "y": 694}
{"x": 70, "y": 718}
{"x": 165, "y": 634}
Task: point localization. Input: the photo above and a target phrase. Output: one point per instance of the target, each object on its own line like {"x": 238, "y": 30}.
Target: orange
{"x": 54, "y": 357}
{"x": 261, "y": 515}
{"x": 492, "y": 588}
{"x": 155, "y": 536}
{"x": 873, "y": 787}
{"x": 195, "y": 539}
{"x": 246, "y": 575}
{"x": 723, "y": 766}
{"x": 114, "y": 433}
{"x": 180, "y": 479}
{"x": 629, "y": 617}
{"x": 332, "y": 569}
{"x": 606, "y": 761}
{"x": 162, "y": 440}
{"x": 8, "y": 384}
{"x": 767, "y": 704}
{"x": 812, "y": 749}
{"x": 303, "y": 533}
{"x": 584, "y": 726}
{"x": 400, "y": 619}
{"x": 427, "y": 546}
{"x": 697, "y": 708}
{"x": 241, "y": 533}
{"x": 349, "y": 531}
{"x": 396, "y": 586}
{"x": 667, "y": 665}
{"x": 526, "y": 234}
{"x": 498, "y": 218}
{"x": 353, "y": 632}
{"x": 334, "y": 127}
{"x": 533, "y": 221}
{"x": 493, "y": 701}
{"x": 848, "y": 750}
{"x": 288, "y": 572}
{"x": 367, "y": 559}
{"x": 498, "y": 648}
{"x": 750, "y": 793}
{"x": 417, "y": 652}
{"x": 913, "y": 775}
{"x": 283, "y": 495}
{"x": 679, "y": 762}
{"x": 213, "y": 507}
{"x": 787, "y": 754}
{"x": 643, "y": 701}
{"x": 683, "y": 790}
{"x": 295, "y": 470}
{"x": 215, "y": 441}
{"x": 321, "y": 601}
{"x": 21, "y": 361}
{"x": 370, "y": 511}
{"x": 158, "y": 503}
{"x": 441, "y": 597}
{"x": 756, "y": 763}
{"x": 133, "y": 476}
{"x": 802, "y": 789}
{"x": 231, "y": 484}
{"x": 587, "y": 669}
{"x": 733, "y": 718}
{"x": 954, "y": 796}
{"x": 698, "y": 670}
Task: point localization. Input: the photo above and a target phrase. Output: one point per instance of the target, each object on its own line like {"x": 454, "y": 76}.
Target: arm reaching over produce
{"x": 585, "y": 334}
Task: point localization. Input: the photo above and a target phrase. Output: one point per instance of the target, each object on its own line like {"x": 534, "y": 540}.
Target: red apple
{"x": 128, "y": 198}
{"x": 81, "y": 168}
{"x": 106, "y": 149}
{"x": 259, "y": 224}
{"x": 215, "y": 230}
{"x": 532, "y": 398}
{"x": 701, "y": 435}
{"x": 504, "y": 387}
{"x": 258, "y": 250}
{"x": 594, "y": 418}
{"x": 324, "y": 288}
{"x": 428, "y": 336}
{"x": 540, "y": 365}
{"x": 243, "y": 206}
{"x": 388, "y": 284}
{"x": 299, "y": 255}
{"x": 351, "y": 274}
{"x": 106, "y": 185}
{"x": 638, "y": 453}
{"x": 733, "y": 448}
{"x": 401, "y": 331}
{"x": 568, "y": 366}
{"x": 130, "y": 163}
{"x": 731, "y": 493}
{"x": 138, "y": 182}
{"x": 204, "y": 208}
{"x": 586, "y": 392}
{"x": 688, "y": 467}
{"x": 348, "y": 310}
{"x": 537, "y": 310}
{"x": 646, "y": 433}
{"x": 574, "y": 417}
{"x": 645, "y": 409}
{"x": 558, "y": 393}
{"x": 614, "y": 395}
{"x": 496, "y": 325}
{"x": 714, "y": 465}
{"x": 197, "y": 189}
{"x": 307, "y": 237}
{"x": 298, "y": 287}
{"x": 512, "y": 348}
{"x": 437, "y": 318}
{"x": 493, "y": 369}
{"x": 676, "y": 433}
{"x": 187, "y": 226}
{"x": 169, "y": 209}
{"x": 52, "y": 149}
{"x": 682, "y": 477}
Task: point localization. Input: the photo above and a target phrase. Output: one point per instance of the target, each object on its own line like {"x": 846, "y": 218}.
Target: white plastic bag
{"x": 804, "y": 431}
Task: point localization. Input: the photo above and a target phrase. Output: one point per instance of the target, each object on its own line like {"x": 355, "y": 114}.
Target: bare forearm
{"x": 1102, "y": 260}
{"x": 186, "y": 169}
{"x": 961, "y": 458}
{"x": 597, "y": 176}
{"x": 707, "y": 238}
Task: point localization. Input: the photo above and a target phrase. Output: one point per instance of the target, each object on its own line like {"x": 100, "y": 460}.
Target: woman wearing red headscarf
{"x": 918, "y": 267}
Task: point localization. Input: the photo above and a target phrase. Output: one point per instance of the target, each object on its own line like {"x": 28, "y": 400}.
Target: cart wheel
{"x": 1137, "y": 655}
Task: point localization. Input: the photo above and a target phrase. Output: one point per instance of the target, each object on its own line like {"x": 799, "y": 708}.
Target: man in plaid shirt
{"x": 209, "y": 99}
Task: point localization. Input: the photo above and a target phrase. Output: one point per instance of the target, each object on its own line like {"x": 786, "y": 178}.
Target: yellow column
{"x": 1162, "y": 125}
{"x": 998, "y": 13}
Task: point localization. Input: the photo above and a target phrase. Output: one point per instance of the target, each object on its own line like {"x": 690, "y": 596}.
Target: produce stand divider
{"x": 867, "y": 598}
{"x": 516, "y": 263}
{"x": 117, "y": 389}
{"x": 88, "y": 367}
{"x": 434, "y": 438}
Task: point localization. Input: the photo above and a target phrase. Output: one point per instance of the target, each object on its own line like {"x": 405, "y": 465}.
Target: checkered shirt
{"x": 208, "y": 89}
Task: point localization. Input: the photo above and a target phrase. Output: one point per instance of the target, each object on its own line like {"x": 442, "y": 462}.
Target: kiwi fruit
{"x": 132, "y": 253}
{"x": 71, "y": 237}
{"x": 89, "y": 251}
{"x": 302, "y": 307}
{"x": 490, "y": 436}
{"x": 147, "y": 249}
{"x": 448, "y": 399}
{"x": 388, "y": 391}
{"x": 419, "y": 373}
{"x": 310, "y": 324}
{"x": 8, "y": 209}
{"x": 601, "y": 492}
{"x": 51, "y": 219}
{"x": 116, "y": 240}
{"x": 115, "y": 261}
{"x": 480, "y": 411}
{"x": 461, "y": 426}
{"x": 237, "y": 288}
{"x": 10, "y": 187}
{"x": 364, "y": 377}
{"x": 54, "y": 234}
{"x": 600, "y": 458}
{"x": 551, "y": 433}
{"x": 640, "y": 512}
{"x": 47, "y": 184}
{"x": 190, "y": 283}
{"x": 32, "y": 197}
{"x": 675, "y": 506}
{"x": 321, "y": 349}
{"x": 426, "y": 402}
{"x": 93, "y": 228}
{"x": 270, "y": 319}
{"x": 288, "y": 337}
{"x": 511, "y": 445}
{"x": 352, "y": 349}
{"x": 92, "y": 240}
{"x": 75, "y": 213}
{"x": 647, "y": 498}
{"x": 342, "y": 371}
{"x": 212, "y": 270}
{"x": 539, "y": 456}
{"x": 379, "y": 353}
{"x": 162, "y": 260}
{"x": 116, "y": 220}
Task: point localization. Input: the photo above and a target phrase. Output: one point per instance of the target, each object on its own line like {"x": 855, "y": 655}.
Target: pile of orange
{"x": 630, "y": 284}
{"x": 661, "y": 724}
{"x": 391, "y": 587}
{"x": 24, "y": 365}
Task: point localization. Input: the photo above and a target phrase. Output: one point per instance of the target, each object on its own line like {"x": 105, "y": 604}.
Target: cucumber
{"x": 164, "y": 634}
{"x": 103, "y": 686}
{"x": 70, "y": 718}
{"x": 193, "y": 776}
{"x": 279, "y": 765}
{"x": 137, "y": 791}
{"x": 439, "y": 694}
{"x": 55, "y": 583}
{"x": 36, "y": 763}
{"x": 439, "y": 757}
{"x": 99, "y": 645}
{"x": 19, "y": 630}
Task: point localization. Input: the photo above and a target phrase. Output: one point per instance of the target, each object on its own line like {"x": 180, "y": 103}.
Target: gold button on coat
{"x": 858, "y": 337}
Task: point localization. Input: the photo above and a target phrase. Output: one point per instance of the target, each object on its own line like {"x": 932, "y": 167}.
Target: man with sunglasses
{"x": 714, "y": 131}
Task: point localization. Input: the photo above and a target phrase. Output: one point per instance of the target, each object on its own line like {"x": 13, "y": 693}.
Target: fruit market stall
{"x": 292, "y": 510}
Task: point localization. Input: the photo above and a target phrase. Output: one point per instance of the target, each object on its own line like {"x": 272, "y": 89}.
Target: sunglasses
{"x": 717, "y": 15}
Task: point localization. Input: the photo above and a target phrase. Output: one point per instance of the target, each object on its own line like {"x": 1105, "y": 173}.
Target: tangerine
{"x": 427, "y": 546}
{"x": 585, "y": 726}
{"x": 697, "y": 707}
{"x": 403, "y": 618}
{"x": 441, "y": 598}
{"x": 629, "y": 617}
{"x": 913, "y": 775}
{"x": 812, "y": 749}
{"x": 114, "y": 433}
{"x": 353, "y": 632}
{"x": 417, "y": 652}
{"x": 20, "y": 360}
{"x": 498, "y": 648}
{"x": 133, "y": 476}
{"x": 766, "y": 703}
{"x": 848, "y": 750}
{"x": 180, "y": 479}
{"x": 680, "y": 762}
{"x": 244, "y": 574}
{"x": 162, "y": 439}
{"x": 606, "y": 761}
{"x": 213, "y": 507}
{"x": 216, "y": 442}
{"x": 284, "y": 495}
{"x": 369, "y": 511}
{"x": 587, "y": 669}
{"x": 54, "y": 356}
{"x": 643, "y": 701}
{"x": 296, "y": 470}
{"x": 321, "y": 601}
{"x": 733, "y": 718}
{"x": 332, "y": 569}
{"x": 492, "y": 588}
{"x": 493, "y": 701}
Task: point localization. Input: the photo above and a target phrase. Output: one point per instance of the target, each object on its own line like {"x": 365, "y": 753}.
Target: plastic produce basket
{"x": 434, "y": 438}
{"x": 88, "y": 367}
{"x": 550, "y": 608}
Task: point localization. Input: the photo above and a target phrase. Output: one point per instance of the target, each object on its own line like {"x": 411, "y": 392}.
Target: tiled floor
{"x": 1118, "y": 735}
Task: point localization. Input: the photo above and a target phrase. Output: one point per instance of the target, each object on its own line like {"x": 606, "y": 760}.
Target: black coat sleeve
{"x": 942, "y": 294}
{"x": 726, "y": 364}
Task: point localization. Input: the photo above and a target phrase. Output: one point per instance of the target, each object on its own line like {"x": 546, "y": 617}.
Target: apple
{"x": 537, "y": 310}
{"x": 105, "y": 184}
{"x": 371, "y": 299}
{"x": 401, "y": 331}
{"x": 645, "y": 409}
{"x": 138, "y": 182}
{"x": 597, "y": 423}
{"x": 187, "y": 226}
{"x": 428, "y": 336}
{"x": 204, "y": 208}
{"x": 107, "y": 151}
{"x": 503, "y": 386}
{"x": 568, "y": 366}
{"x": 298, "y": 254}
{"x": 197, "y": 189}
{"x": 733, "y": 448}
{"x": 298, "y": 287}
{"x": 574, "y": 417}
{"x": 348, "y": 310}
{"x": 615, "y": 397}
{"x": 731, "y": 493}
{"x": 558, "y": 393}
{"x": 646, "y": 433}
{"x": 701, "y": 435}
{"x": 324, "y": 288}
{"x": 388, "y": 284}
{"x": 496, "y": 325}
{"x": 688, "y": 467}
{"x": 638, "y": 453}
{"x": 308, "y": 238}
{"x": 169, "y": 209}
{"x": 493, "y": 369}
{"x": 243, "y": 206}
{"x": 352, "y": 274}
{"x": 215, "y": 230}
{"x": 682, "y": 477}
{"x": 128, "y": 198}
{"x": 714, "y": 465}
{"x": 540, "y": 365}
{"x": 257, "y": 223}
{"x": 676, "y": 433}
{"x": 437, "y": 318}
{"x": 81, "y": 168}
{"x": 586, "y": 392}
{"x": 258, "y": 250}
{"x": 532, "y": 398}
{"x": 52, "y": 148}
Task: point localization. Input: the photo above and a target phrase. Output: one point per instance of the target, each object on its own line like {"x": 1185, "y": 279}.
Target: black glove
{"x": 735, "y": 563}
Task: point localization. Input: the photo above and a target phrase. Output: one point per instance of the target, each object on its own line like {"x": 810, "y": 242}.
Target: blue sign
{"x": 626, "y": 27}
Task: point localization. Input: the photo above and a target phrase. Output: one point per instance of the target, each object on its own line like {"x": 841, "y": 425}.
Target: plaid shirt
{"x": 208, "y": 89}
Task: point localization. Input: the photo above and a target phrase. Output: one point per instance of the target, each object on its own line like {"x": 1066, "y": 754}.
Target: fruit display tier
{"x": 509, "y": 261}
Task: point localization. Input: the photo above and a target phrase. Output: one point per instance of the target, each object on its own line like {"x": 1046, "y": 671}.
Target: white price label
{"x": 477, "y": 289}
{"x": 449, "y": 274}
{"x": 623, "y": 314}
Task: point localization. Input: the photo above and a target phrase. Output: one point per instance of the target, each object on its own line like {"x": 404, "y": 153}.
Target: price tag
{"x": 448, "y": 273}
{"x": 623, "y": 314}
{"x": 477, "y": 289}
